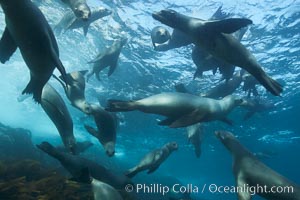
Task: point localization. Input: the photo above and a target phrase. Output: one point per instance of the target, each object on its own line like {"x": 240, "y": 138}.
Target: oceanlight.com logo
{"x": 211, "y": 188}
{"x": 252, "y": 190}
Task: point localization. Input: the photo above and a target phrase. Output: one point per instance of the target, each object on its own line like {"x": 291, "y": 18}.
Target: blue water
{"x": 274, "y": 39}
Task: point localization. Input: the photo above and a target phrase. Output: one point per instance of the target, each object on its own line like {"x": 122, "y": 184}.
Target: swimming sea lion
{"x": 75, "y": 164}
{"x": 181, "y": 109}
{"x": 27, "y": 29}
{"x": 70, "y": 21}
{"x": 107, "y": 59}
{"x": 249, "y": 171}
{"x": 75, "y": 89}
{"x": 195, "y": 136}
{"x": 57, "y": 111}
{"x": 107, "y": 128}
{"x": 225, "y": 88}
{"x": 256, "y": 105}
{"x": 80, "y": 8}
{"x": 153, "y": 159}
{"x": 214, "y": 37}
{"x": 159, "y": 35}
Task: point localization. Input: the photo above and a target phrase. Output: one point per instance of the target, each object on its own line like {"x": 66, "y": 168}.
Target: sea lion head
{"x": 110, "y": 149}
{"x": 172, "y": 146}
{"x": 224, "y": 136}
{"x": 160, "y": 35}
{"x": 82, "y": 11}
{"x": 167, "y": 16}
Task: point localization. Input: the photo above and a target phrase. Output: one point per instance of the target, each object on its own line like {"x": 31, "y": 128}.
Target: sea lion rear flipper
{"x": 227, "y": 121}
{"x": 151, "y": 170}
{"x": 7, "y": 46}
{"x": 34, "y": 87}
{"x": 227, "y": 25}
{"x": 188, "y": 119}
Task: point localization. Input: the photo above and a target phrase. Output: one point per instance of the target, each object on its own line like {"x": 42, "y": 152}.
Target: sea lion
{"x": 214, "y": 37}
{"x": 70, "y": 21}
{"x": 27, "y": 29}
{"x": 181, "y": 109}
{"x": 107, "y": 128}
{"x": 225, "y": 88}
{"x": 57, "y": 111}
{"x": 75, "y": 164}
{"x": 248, "y": 170}
{"x": 249, "y": 85}
{"x": 75, "y": 89}
{"x": 153, "y": 160}
{"x": 256, "y": 105}
{"x": 107, "y": 59}
{"x": 80, "y": 8}
{"x": 159, "y": 35}
{"x": 195, "y": 136}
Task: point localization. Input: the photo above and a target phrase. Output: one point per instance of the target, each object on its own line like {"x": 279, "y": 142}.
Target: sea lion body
{"x": 181, "y": 109}
{"x": 248, "y": 170}
{"x": 70, "y": 21}
{"x": 28, "y": 30}
{"x": 153, "y": 159}
{"x": 56, "y": 109}
{"x": 107, "y": 128}
{"x": 75, "y": 90}
{"x": 107, "y": 59}
{"x": 226, "y": 88}
{"x": 214, "y": 37}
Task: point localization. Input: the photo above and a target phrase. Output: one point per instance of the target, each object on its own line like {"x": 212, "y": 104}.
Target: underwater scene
{"x": 149, "y": 100}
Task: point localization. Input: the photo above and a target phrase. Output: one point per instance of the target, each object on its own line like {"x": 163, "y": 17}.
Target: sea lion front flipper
{"x": 85, "y": 29}
{"x": 91, "y": 130}
{"x": 112, "y": 68}
{"x": 242, "y": 195}
{"x": 227, "y": 25}
{"x": 7, "y": 46}
{"x": 60, "y": 81}
{"x": 188, "y": 119}
{"x": 227, "y": 121}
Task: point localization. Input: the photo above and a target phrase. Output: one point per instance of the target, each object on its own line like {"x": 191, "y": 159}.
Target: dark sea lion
{"x": 80, "y": 8}
{"x": 107, "y": 59}
{"x": 27, "y": 29}
{"x": 248, "y": 170}
{"x": 214, "y": 37}
{"x": 70, "y": 21}
{"x": 256, "y": 105}
{"x": 225, "y": 88}
{"x": 249, "y": 85}
{"x": 75, "y": 164}
{"x": 75, "y": 90}
{"x": 107, "y": 128}
{"x": 57, "y": 111}
{"x": 181, "y": 109}
{"x": 153, "y": 160}
{"x": 195, "y": 135}
{"x": 159, "y": 35}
